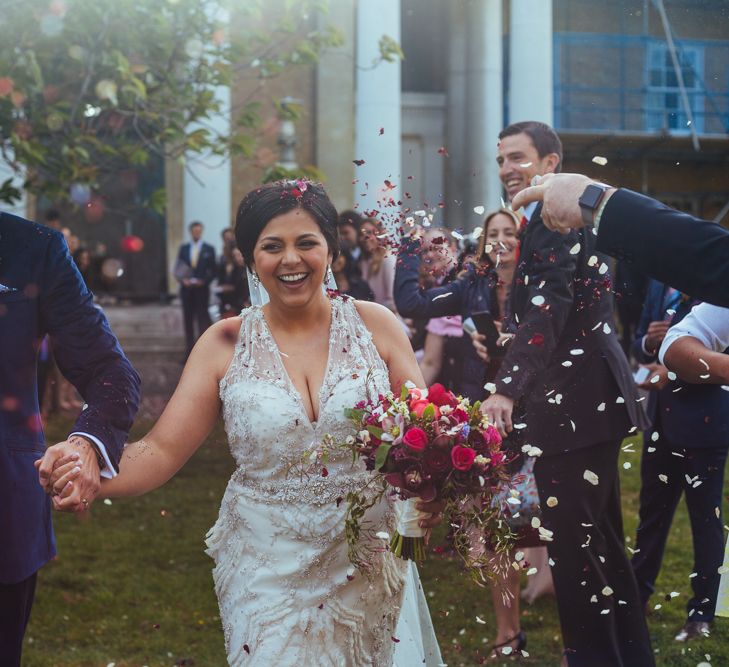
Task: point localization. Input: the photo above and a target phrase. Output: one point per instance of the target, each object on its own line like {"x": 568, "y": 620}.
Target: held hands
{"x": 498, "y": 409}
{"x": 69, "y": 473}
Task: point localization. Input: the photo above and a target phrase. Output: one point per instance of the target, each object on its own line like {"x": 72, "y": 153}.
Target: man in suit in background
{"x": 685, "y": 451}
{"x": 195, "y": 269}
{"x": 676, "y": 248}
{"x": 42, "y": 293}
{"x": 567, "y": 382}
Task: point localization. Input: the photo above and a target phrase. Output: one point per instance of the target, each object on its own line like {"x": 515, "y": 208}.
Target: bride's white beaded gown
{"x": 287, "y": 592}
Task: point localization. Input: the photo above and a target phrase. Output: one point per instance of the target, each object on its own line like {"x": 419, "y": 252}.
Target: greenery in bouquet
{"x": 432, "y": 445}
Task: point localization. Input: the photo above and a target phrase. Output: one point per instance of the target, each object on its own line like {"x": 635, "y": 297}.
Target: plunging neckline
{"x": 291, "y": 387}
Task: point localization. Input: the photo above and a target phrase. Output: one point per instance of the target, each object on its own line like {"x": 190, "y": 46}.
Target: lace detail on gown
{"x": 287, "y": 592}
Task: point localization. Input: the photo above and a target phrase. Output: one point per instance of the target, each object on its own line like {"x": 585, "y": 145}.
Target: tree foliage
{"x": 91, "y": 88}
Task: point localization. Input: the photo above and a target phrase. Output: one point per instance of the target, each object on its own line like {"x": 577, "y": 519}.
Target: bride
{"x": 283, "y": 373}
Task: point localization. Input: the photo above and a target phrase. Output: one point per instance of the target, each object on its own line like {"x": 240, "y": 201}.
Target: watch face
{"x": 591, "y": 196}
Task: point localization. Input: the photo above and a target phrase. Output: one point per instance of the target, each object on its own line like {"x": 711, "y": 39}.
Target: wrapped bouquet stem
{"x": 408, "y": 542}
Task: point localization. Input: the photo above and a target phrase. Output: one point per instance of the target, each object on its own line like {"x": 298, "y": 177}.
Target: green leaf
{"x": 375, "y": 430}
{"x": 381, "y": 455}
{"x": 429, "y": 413}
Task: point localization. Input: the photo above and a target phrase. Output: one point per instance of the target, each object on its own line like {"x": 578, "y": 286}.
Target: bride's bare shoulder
{"x": 376, "y": 317}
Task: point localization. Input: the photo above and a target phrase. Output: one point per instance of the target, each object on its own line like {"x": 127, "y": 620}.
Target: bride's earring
{"x": 256, "y": 279}
{"x": 328, "y": 276}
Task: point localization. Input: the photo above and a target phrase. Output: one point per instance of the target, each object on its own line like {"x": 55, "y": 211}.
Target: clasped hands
{"x": 69, "y": 473}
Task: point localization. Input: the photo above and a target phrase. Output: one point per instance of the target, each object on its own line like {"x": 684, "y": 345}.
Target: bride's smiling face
{"x": 291, "y": 257}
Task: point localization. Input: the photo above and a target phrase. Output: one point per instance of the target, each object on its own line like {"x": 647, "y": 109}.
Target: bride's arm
{"x": 185, "y": 423}
{"x": 392, "y": 344}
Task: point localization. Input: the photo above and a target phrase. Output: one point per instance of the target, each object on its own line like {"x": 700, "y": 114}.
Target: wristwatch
{"x": 590, "y": 201}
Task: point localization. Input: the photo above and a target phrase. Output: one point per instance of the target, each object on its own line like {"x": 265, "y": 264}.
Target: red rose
{"x": 439, "y": 395}
{"x": 416, "y": 438}
{"x": 462, "y": 457}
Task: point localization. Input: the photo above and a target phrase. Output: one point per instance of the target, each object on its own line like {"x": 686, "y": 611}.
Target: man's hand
{"x": 655, "y": 334}
{"x": 70, "y": 467}
{"x": 657, "y": 378}
{"x": 498, "y": 409}
{"x": 560, "y": 194}
{"x": 478, "y": 345}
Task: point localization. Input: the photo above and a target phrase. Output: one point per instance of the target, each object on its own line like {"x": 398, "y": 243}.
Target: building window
{"x": 664, "y": 109}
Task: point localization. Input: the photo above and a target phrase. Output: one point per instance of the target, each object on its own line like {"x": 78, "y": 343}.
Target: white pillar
{"x": 377, "y": 111}
{"x": 530, "y": 55}
{"x": 207, "y": 183}
{"x": 484, "y": 115}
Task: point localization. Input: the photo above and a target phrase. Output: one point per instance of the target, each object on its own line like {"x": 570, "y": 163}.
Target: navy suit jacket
{"x": 697, "y": 415}
{"x": 565, "y": 369}
{"x": 46, "y": 295}
{"x": 687, "y": 253}
{"x": 206, "y": 265}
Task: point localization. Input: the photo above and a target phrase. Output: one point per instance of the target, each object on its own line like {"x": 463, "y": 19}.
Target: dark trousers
{"x": 16, "y": 601}
{"x": 658, "y": 501}
{"x": 195, "y": 301}
{"x": 602, "y": 619}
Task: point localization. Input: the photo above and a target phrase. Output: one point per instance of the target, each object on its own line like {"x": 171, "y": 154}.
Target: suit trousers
{"x": 602, "y": 619}
{"x": 658, "y": 500}
{"x": 195, "y": 301}
{"x": 16, "y": 601}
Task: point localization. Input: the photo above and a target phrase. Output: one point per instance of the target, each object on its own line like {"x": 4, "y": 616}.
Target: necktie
{"x": 522, "y": 224}
{"x": 193, "y": 256}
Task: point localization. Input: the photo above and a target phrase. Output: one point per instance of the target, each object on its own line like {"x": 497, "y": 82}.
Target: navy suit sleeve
{"x": 411, "y": 300}
{"x": 647, "y": 315}
{"x": 687, "y": 253}
{"x": 548, "y": 305}
{"x": 87, "y": 352}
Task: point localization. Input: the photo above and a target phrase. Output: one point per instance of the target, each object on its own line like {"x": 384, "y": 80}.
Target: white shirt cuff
{"x": 107, "y": 471}
{"x": 643, "y": 347}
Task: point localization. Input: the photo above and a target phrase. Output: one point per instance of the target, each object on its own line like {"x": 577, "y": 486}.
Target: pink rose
{"x": 462, "y": 457}
{"x": 491, "y": 435}
{"x": 416, "y": 438}
{"x": 418, "y": 407}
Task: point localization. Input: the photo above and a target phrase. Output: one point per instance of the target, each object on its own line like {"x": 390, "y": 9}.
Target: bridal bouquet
{"x": 431, "y": 445}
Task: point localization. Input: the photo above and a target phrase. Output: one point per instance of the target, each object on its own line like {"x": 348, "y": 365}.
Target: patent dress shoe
{"x": 692, "y": 630}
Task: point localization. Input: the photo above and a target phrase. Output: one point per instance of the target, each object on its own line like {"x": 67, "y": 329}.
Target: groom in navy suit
{"x": 42, "y": 292}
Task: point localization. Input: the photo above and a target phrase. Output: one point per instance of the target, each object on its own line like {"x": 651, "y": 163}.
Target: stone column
{"x": 484, "y": 108}
{"x": 531, "y": 55}
{"x": 377, "y": 111}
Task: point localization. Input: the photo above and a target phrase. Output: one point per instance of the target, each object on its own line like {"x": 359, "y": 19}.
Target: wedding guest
{"x": 484, "y": 288}
{"x": 53, "y": 219}
{"x": 42, "y": 293}
{"x": 378, "y": 262}
{"x": 232, "y": 287}
{"x": 669, "y": 245}
{"x": 348, "y": 226}
{"x": 684, "y": 452}
{"x": 195, "y": 270}
{"x": 82, "y": 259}
{"x": 566, "y": 382}
{"x": 348, "y": 278}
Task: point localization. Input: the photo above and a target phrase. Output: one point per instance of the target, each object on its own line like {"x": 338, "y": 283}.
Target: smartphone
{"x": 641, "y": 375}
{"x": 486, "y": 326}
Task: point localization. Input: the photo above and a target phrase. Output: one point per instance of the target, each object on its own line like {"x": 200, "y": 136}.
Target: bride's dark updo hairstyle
{"x": 263, "y": 204}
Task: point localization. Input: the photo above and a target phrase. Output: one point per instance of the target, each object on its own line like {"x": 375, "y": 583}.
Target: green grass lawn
{"x": 132, "y": 586}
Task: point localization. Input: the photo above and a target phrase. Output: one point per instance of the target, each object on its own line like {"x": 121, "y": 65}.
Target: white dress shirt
{"x": 707, "y": 323}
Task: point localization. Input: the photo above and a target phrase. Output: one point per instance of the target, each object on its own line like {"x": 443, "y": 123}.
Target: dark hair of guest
{"x": 350, "y": 217}
{"x": 269, "y": 201}
{"x": 543, "y": 137}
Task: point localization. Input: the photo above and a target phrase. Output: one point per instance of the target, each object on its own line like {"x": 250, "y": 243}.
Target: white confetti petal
{"x": 575, "y": 249}
{"x": 538, "y": 300}
{"x": 627, "y": 465}
{"x": 601, "y": 407}
{"x": 478, "y": 210}
{"x": 577, "y": 352}
{"x": 607, "y": 590}
{"x": 599, "y": 159}
{"x": 552, "y": 501}
{"x": 591, "y": 477}
{"x": 663, "y": 478}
